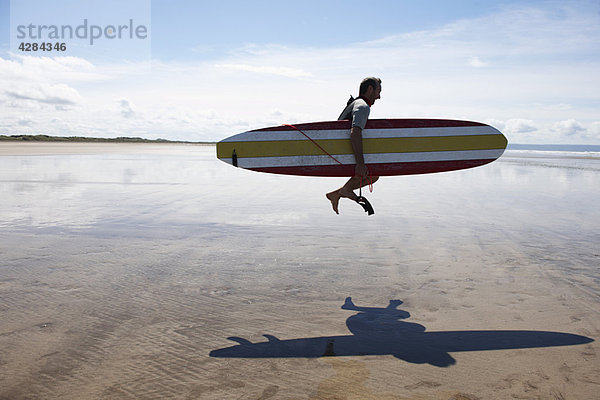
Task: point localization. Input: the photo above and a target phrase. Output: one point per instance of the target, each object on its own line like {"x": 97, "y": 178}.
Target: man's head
{"x": 370, "y": 89}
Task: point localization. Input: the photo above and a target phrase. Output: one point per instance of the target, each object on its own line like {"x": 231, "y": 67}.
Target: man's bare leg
{"x": 347, "y": 190}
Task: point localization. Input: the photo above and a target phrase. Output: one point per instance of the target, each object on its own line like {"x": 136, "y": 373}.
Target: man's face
{"x": 374, "y": 93}
{"x": 377, "y": 93}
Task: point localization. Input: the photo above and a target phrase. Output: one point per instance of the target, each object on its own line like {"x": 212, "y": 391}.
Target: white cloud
{"x": 476, "y": 62}
{"x": 569, "y": 127}
{"x": 28, "y": 68}
{"x": 518, "y": 125}
{"x": 126, "y": 108}
{"x": 23, "y": 121}
{"x": 59, "y": 95}
{"x": 594, "y": 130}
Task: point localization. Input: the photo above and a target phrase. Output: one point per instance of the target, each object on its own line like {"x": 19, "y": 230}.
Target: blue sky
{"x": 213, "y": 69}
{"x": 179, "y": 26}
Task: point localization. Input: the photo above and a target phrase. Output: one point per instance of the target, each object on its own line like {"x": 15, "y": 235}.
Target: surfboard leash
{"x": 315, "y": 143}
{"x": 363, "y": 200}
{"x": 370, "y": 182}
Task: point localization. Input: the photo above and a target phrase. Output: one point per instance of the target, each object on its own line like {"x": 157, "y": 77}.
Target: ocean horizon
{"x": 577, "y": 148}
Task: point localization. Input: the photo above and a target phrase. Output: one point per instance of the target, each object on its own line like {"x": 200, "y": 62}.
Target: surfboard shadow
{"x": 381, "y": 331}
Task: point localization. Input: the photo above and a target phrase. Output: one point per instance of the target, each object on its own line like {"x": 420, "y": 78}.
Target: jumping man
{"x": 358, "y": 111}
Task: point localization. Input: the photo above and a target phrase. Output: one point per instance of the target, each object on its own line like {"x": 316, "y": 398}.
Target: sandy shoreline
{"x": 8, "y": 148}
{"x": 123, "y": 278}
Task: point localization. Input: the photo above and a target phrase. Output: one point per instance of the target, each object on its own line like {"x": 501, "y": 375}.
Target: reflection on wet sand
{"x": 123, "y": 268}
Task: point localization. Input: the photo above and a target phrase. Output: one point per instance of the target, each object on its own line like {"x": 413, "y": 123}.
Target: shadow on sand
{"x": 381, "y": 331}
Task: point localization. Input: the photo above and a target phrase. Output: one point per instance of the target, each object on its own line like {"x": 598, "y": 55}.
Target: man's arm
{"x": 357, "y": 147}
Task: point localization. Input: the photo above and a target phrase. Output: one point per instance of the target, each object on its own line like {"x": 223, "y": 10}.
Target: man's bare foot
{"x": 334, "y": 197}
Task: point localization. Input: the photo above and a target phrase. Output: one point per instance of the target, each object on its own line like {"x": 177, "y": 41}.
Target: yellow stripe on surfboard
{"x": 286, "y": 148}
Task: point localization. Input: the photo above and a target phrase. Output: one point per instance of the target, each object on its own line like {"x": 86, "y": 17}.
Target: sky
{"x": 203, "y": 71}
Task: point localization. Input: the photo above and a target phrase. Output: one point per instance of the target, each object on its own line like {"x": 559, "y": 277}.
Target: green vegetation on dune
{"x": 46, "y": 138}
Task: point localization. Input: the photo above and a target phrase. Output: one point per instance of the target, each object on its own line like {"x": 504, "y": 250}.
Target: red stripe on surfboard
{"x": 389, "y": 169}
{"x": 376, "y": 124}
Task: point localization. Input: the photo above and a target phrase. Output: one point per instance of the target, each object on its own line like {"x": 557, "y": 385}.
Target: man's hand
{"x": 361, "y": 171}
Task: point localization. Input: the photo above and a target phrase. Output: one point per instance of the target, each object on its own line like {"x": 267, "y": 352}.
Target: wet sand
{"x": 123, "y": 274}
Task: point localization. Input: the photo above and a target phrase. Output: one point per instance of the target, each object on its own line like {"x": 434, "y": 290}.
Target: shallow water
{"x": 158, "y": 254}
{"x": 186, "y": 185}
{"x": 184, "y": 192}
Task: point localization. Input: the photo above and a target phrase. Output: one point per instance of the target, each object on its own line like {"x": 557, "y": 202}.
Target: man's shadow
{"x": 382, "y": 331}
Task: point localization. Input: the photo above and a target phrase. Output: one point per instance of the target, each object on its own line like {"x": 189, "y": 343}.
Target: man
{"x": 358, "y": 111}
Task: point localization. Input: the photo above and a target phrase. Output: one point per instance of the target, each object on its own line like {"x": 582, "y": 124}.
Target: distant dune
{"x": 46, "y": 138}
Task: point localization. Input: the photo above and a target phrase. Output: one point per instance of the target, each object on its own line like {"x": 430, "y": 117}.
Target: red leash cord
{"x": 370, "y": 184}
{"x": 315, "y": 143}
{"x": 333, "y": 158}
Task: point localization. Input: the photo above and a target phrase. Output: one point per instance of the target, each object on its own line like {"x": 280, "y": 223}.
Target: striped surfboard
{"x": 390, "y": 147}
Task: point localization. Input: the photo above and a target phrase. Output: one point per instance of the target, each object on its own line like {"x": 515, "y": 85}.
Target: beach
{"x": 144, "y": 271}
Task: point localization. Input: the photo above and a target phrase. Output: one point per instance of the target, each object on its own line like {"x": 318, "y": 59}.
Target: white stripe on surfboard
{"x": 367, "y": 133}
{"x": 379, "y": 158}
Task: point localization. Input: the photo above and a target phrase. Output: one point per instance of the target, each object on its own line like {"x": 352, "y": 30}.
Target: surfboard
{"x": 390, "y": 147}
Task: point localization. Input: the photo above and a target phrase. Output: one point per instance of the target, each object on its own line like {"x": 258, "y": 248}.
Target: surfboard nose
{"x": 226, "y": 152}
{"x": 502, "y": 140}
